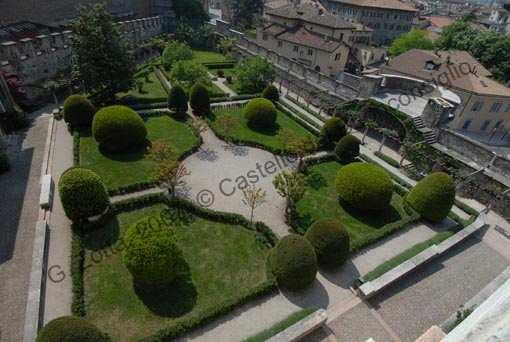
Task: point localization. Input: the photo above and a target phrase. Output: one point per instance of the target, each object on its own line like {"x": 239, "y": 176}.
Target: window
{"x": 466, "y": 125}
{"x": 264, "y": 36}
{"x": 337, "y": 57}
{"x": 296, "y": 48}
{"x": 477, "y": 106}
{"x": 310, "y": 52}
{"x": 496, "y": 107}
{"x": 486, "y": 124}
{"x": 280, "y": 44}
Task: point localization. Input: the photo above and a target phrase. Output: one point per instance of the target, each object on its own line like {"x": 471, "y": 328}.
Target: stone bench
{"x": 370, "y": 288}
{"x": 302, "y": 328}
{"x": 46, "y": 191}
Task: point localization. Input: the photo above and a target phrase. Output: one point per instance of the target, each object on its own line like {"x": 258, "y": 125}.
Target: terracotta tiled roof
{"x": 388, "y": 4}
{"x": 312, "y": 14}
{"x": 447, "y": 68}
{"x": 304, "y": 37}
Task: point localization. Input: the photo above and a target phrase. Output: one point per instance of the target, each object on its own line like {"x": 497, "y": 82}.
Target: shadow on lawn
{"x": 316, "y": 181}
{"x": 173, "y": 300}
{"x": 373, "y": 219}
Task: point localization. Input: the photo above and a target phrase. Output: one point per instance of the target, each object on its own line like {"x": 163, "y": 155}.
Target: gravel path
{"x": 19, "y": 213}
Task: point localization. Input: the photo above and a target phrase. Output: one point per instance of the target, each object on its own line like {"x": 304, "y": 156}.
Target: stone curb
{"x": 302, "y": 328}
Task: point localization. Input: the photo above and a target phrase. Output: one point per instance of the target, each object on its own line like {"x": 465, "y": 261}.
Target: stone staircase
{"x": 429, "y": 134}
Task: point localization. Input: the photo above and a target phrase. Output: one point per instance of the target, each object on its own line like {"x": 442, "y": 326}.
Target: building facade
{"x": 387, "y": 18}
{"x": 311, "y": 36}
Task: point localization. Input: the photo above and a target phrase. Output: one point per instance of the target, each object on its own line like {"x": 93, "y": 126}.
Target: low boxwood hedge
{"x": 78, "y": 111}
{"x": 347, "y": 148}
{"x": 71, "y": 329}
{"x": 332, "y": 131}
{"x": 330, "y": 241}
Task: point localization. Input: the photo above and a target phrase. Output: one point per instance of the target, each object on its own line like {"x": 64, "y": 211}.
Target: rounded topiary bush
{"x": 332, "y": 131}
{"x": 433, "y": 196}
{"x": 260, "y": 114}
{"x": 293, "y": 262}
{"x": 178, "y": 100}
{"x": 271, "y": 93}
{"x": 347, "y": 148}
{"x": 82, "y": 193}
{"x": 199, "y": 99}
{"x": 71, "y": 329}
{"x": 78, "y": 111}
{"x": 152, "y": 255}
{"x": 330, "y": 241}
{"x": 118, "y": 128}
{"x": 364, "y": 186}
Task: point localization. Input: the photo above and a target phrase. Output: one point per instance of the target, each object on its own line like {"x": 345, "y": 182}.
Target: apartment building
{"x": 312, "y": 36}
{"x": 387, "y": 18}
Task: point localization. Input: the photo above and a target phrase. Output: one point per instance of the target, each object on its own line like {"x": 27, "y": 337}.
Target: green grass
{"x": 122, "y": 169}
{"x": 281, "y": 326}
{"x": 225, "y": 262}
{"x": 226, "y": 72}
{"x": 243, "y": 133}
{"x": 152, "y": 91}
{"x": 407, "y": 254}
{"x": 321, "y": 201}
{"x": 204, "y": 56}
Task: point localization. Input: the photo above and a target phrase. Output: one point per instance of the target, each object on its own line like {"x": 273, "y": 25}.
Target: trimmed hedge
{"x": 118, "y": 128}
{"x": 332, "y": 131}
{"x": 433, "y": 196}
{"x": 364, "y": 186}
{"x": 71, "y": 329}
{"x": 178, "y": 100}
{"x": 330, "y": 241}
{"x": 260, "y": 114}
{"x": 387, "y": 159}
{"x": 347, "y": 148}
{"x": 199, "y": 99}
{"x": 271, "y": 93}
{"x": 78, "y": 111}
{"x": 293, "y": 262}
{"x": 151, "y": 255}
{"x": 82, "y": 193}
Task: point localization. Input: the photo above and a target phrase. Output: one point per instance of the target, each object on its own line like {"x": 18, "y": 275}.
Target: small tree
{"x": 174, "y": 52}
{"x": 170, "y": 174}
{"x": 188, "y": 73}
{"x": 253, "y": 198}
{"x": 291, "y": 186}
{"x": 161, "y": 151}
{"x": 369, "y": 124}
{"x": 415, "y": 39}
{"x": 300, "y": 146}
{"x": 253, "y": 75}
{"x": 271, "y": 93}
{"x": 178, "y": 100}
{"x": 386, "y": 133}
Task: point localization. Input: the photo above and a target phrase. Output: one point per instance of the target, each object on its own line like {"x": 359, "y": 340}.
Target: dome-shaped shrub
{"x": 178, "y": 100}
{"x": 364, "y": 186}
{"x": 330, "y": 241}
{"x": 199, "y": 99}
{"x": 151, "y": 254}
{"x": 82, "y": 193}
{"x": 433, "y": 196}
{"x": 118, "y": 128}
{"x": 332, "y": 131}
{"x": 78, "y": 111}
{"x": 347, "y": 148}
{"x": 293, "y": 262}
{"x": 71, "y": 329}
{"x": 260, "y": 114}
{"x": 271, "y": 93}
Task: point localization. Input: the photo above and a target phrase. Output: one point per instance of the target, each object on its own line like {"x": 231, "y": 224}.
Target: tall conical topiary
{"x": 199, "y": 99}
{"x": 178, "y": 100}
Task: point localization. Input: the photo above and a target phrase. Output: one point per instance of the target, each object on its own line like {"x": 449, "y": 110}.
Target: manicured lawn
{"x": 121, "y": 169}
{"x": 152, "y": 91}
{"x": 321, "y": 201}
{"x": 204, "y": 56}
{"x": 243, "y": 133}
{"x": 226, "y": 72}
{"x": 226, "y": 262}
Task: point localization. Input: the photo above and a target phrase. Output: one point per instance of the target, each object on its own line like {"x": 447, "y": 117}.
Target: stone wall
{"x": 465, "y": 146}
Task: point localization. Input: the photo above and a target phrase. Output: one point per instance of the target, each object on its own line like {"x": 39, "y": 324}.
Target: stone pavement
{"x": 220, "y": 83}
{"x": 19, "y": 211}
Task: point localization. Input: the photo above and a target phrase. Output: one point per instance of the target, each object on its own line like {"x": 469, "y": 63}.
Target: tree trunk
{"x": 364, "y": 136}
{"x": 382, "y": 143}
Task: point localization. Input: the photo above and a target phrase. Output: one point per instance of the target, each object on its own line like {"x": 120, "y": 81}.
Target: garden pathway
{"x": 219, "y": 82}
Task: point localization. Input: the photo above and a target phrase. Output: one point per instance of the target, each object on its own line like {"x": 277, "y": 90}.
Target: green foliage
{"x": 245, "y": 12}
{"x": 415, "y": 39}
{"x": 71, "y": 329}
{"x": 188, "y": 73}
{"x": 347, "y": 148}
{"x": 332, "y": 131}
{"x": 82, "y": 193}
{"x": 271, "y": 93}
{"x": 433, "y": 196}
{"x": 260, "y": 114}
{"x": 196, "y": 35}
{"x": 101, "y": 60}
{"x": 330, "y": 241}
{"x": 151, "y": 254}
{"x": 118, "y": 128}
{"x": 253, "y": 75}
{"x": 78, "y": 111}
{"x": 490, "y": 48}
{"x": 4, "y": 162}
{"x": 364, "y": 186}
{"x": 174, "y": 52}
{"x": 199, "y": 99}
{"x": 190, "y": 11}
{"x": 293, "y": 262}
{"x": 178, "y": 100}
